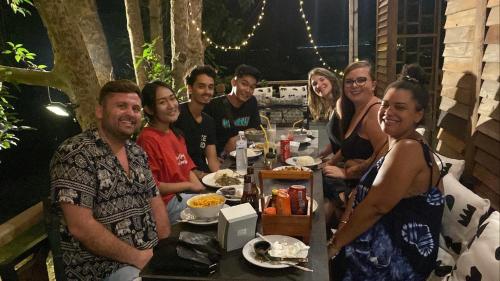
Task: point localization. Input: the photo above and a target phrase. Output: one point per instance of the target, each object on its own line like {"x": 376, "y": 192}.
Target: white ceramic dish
{"x": 209, "y": 180}
{"x": 206, "y": 211}
{"x": 251, "y": 153}
{"x": 237, "y": 195}
{"x": 250, "y": 255}
{"x": 283, "y": 168}
{"x": 187, "y": 215}
{"x": 293, "y": 161}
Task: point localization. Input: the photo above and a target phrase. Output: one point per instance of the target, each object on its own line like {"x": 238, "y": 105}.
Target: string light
{"x": 311, "y": 40}
{"x": 244, "y": 41}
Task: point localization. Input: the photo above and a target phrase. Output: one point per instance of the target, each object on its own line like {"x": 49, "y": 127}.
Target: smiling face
{"x": 244, "y": 87}
{"x": 202, "y": 89}
{"x": 398, "y": 115}
{"x": 119, "y": 115}
{"x": 358, "y": 85}
{"x": 166, "y": 108}
{"x": 321, "y": 85}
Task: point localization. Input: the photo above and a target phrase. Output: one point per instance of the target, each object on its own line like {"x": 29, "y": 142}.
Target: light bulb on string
{"x": 237, "y": 46}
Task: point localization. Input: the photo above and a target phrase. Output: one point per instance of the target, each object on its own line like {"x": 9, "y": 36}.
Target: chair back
{"x": 52, "y": 225}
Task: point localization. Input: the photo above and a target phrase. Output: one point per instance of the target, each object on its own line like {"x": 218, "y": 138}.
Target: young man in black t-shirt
{"x": 197, "y": 126}
{"x": 236, "y": 111}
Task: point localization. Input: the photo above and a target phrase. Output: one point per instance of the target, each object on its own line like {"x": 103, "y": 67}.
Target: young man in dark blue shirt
{"x": 236, "y": 111}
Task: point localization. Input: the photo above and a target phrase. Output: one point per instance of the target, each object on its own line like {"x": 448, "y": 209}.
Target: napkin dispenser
{"x": 236, "y": 226}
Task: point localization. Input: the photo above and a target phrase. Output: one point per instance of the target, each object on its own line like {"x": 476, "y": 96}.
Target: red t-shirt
{"x": 167, "y": 155}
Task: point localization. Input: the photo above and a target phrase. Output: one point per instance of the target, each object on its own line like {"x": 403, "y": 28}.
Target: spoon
{"x": 264, "y": 238}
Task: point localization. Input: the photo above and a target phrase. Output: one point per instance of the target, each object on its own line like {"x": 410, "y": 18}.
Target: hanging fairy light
{"x": 311, "y": 40}
{"x": 244, "y": 41}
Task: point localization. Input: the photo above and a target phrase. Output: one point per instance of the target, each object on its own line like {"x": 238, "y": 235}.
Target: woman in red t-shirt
{"x": 166, "y": 148}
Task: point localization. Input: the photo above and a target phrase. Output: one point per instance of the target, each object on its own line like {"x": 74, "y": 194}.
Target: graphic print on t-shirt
{"x": 239, "y": 122}
{"x": 203, "y": 141}
{"x": 181, "y": 159}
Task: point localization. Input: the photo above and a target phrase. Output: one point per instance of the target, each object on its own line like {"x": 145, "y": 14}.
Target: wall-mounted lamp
{"x": 59, "y": 108}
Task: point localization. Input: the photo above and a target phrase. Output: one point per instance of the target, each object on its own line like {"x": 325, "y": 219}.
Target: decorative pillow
{"x": 444, "y": 265}
{"x": 482, "y": 260}
{"x": 457, "y": 165}
{"x": 462, "y": 214}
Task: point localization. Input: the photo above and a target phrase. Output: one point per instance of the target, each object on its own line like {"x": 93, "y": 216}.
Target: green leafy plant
{"x": 8, "y": 120}
{"x": 23, "y": 56}
{"x": 150, "y": 60}
{"x": 16, "y": 6}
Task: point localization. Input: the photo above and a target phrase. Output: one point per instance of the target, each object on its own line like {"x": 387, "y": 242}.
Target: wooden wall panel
{"x": 461, "y": 95}
{"x": 493, "y": 3}
{"x": 463, "y": 18}
{"x": 459, "y": 34}
{"x": 490, "y": 89}
{"x": 487, "y": 144}
{"x": 491, "y": 71}
{"x": 489, "y": 127}
{"x": 452, "y": 106}
{"x": 492, "y": 53}
{"x": 489, "y": 108}
{"x": 453, "y": 7}
{"x": 486, "y": 177}
{"x": 492, "y": 35}
{"x": 453, "y": 142}
{"x": 453, "y": 124}
{"x": 457, "y": 64}
{"x": 493, "y": 16}
{"x": 462, "y": 80}
{"x": 488, "y": 161}
{"x": 444, "y": 149}
{"x": 458, "y": 50}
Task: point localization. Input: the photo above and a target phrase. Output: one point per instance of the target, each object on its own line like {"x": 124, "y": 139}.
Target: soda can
{"x": 298, "y": 199}
{"x": 285, "y": 149}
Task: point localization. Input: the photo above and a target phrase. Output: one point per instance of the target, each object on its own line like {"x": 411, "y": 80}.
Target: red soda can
{"x": 285, "y": 149}
{"x": 298, "y": 199}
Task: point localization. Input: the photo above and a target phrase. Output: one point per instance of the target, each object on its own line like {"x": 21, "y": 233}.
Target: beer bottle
{"x": 250, "y": 190}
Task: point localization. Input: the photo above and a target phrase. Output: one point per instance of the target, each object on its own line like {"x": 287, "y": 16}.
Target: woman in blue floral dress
{"x": 392, "y": 230}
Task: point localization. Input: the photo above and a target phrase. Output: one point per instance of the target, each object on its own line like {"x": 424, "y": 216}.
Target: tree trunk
{"x": 72, "y": 63}
{"x": 156, "y": 27}
{"x": 85, "y": 13}
{"x": 73, "y": 71}
{"x": 187, "y": 48}
{"x": 136, "y": 35}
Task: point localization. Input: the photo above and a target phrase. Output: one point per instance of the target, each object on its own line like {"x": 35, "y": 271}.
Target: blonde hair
{"x": 320, "y": 108}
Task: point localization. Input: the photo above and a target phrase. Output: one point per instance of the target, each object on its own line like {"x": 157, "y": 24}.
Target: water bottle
{"x": 241, "y": 154}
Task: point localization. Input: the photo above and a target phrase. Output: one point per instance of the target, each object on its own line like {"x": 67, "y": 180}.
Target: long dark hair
{"x": 413, "y": 79}
{"x": 346, "y": 110}
{"x": 149, "y": 100}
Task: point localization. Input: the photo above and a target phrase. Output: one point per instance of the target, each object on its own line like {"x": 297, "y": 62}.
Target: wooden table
{"x": 234, "y": 267}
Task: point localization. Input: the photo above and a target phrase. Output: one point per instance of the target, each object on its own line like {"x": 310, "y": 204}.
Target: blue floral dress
{"x": 403, "y": 244}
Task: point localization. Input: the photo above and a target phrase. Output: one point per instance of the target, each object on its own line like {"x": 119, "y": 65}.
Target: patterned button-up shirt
{"x": 85, "y": 172}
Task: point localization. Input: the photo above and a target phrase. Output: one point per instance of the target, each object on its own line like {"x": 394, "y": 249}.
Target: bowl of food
{"x": 254, "y": 135}
{"x": 206, "y": 205}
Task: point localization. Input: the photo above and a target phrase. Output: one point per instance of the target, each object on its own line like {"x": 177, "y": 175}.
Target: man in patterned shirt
{"x": 111, "y": 212}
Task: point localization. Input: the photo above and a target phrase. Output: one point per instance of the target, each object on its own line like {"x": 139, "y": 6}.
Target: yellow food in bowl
{"x": 206, "y": 201}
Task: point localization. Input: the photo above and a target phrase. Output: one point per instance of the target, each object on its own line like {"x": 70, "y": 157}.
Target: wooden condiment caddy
{"x": 292, "y": 225}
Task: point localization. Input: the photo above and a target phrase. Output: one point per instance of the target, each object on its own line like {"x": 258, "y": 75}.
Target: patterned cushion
{"x": 461, "y": 217}
{"x": 481, "y": 261}
{"x": 457, "y": 165}
{"x": 444, "y": 265}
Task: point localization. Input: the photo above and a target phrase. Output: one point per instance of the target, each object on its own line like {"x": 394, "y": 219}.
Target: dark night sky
{"x": 280, "y": 50}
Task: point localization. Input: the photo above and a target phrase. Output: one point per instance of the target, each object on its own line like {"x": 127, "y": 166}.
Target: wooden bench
{"x": 31, "y": 241}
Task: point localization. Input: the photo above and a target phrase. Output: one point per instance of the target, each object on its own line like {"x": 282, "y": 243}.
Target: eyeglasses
{"x": 360, "y": 81}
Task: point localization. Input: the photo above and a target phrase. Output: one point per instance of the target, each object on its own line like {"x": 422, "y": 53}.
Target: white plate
{"x": 250, "y": 255}
{"x": 315, "y": 203}
{"x": 251, "y": 153}
{"x": 209, "y": 180}
{"x": 186, "y": 214}
{"x": 284, "y": 168}
{"x": 293, "y": 161}
{"x": 239, "y": 191}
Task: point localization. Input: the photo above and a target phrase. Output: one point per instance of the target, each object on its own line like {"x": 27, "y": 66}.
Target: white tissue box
{"x": 236, "y": 226}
